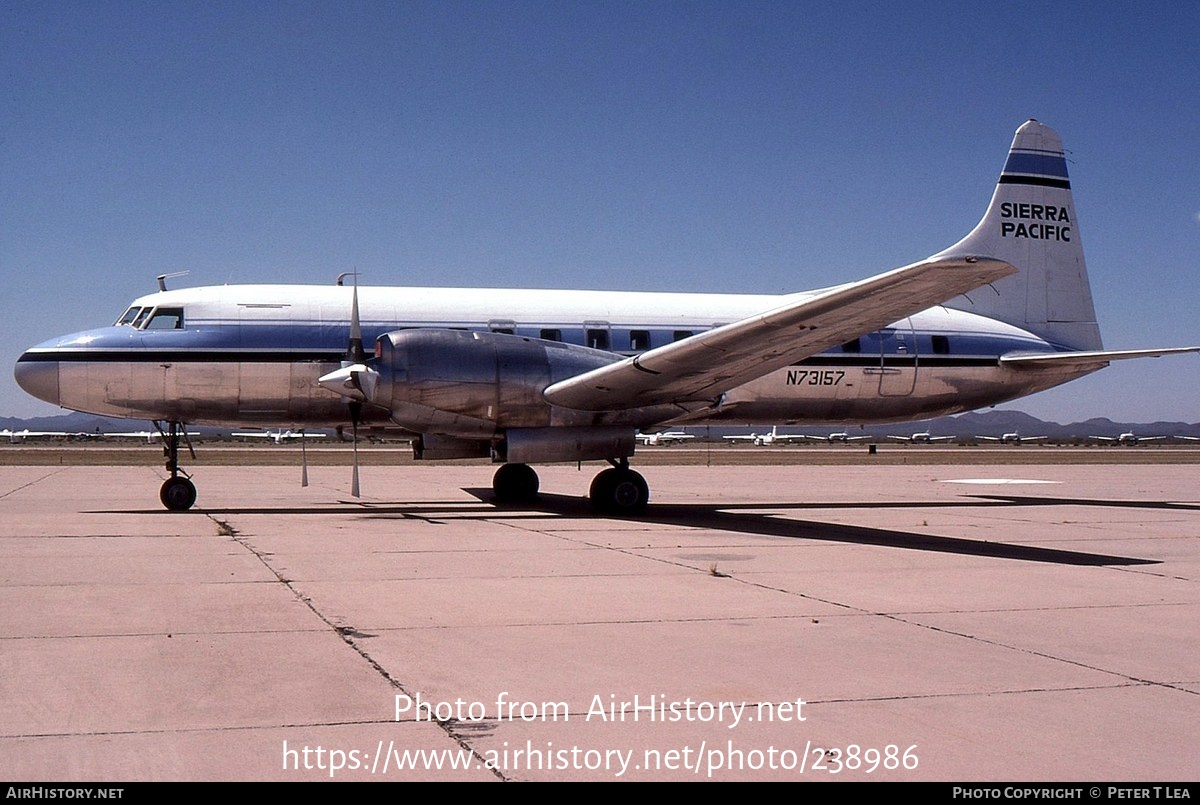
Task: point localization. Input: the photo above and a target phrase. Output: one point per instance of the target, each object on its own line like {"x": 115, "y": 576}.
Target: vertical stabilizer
{"x": 1031, "y": 223}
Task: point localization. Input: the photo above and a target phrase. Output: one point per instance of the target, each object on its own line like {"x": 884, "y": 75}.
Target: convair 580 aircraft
{"x": 526, "y": 377}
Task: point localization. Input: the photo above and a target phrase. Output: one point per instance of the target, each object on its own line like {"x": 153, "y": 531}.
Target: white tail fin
{"x": 1031, "y": 224}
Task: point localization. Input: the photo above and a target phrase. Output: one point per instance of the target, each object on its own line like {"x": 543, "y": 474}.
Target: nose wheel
{"x": 177, "y": 494}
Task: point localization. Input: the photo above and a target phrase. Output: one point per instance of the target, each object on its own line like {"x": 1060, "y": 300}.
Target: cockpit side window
{"x": 128, "y": 316}
{"x": 165, "y": 318}
{"x": 140, "y": 318}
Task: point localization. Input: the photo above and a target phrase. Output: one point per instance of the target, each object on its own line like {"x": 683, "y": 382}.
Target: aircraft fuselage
{"x": 251, "y": 355}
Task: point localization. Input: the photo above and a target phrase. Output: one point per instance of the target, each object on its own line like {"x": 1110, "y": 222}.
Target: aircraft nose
{"x": 38, "y": 378}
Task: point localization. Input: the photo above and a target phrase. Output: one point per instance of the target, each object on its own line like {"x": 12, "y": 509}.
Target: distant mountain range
{"x": 963, "y": 426}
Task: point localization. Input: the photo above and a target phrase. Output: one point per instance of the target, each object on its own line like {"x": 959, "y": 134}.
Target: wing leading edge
{"x": 706, "y": 365}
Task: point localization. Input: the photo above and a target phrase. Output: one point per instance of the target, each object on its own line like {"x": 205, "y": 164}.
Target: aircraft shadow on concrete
{"x": 738, "y": 518}
{"x": 742, "y": 518}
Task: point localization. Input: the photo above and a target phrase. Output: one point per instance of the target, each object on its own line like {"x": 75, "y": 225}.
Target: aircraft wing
{"x": 706, "y": 365}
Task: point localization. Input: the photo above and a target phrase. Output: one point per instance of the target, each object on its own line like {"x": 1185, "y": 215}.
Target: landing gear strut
{"x": 619, "y": 490}
{"x": 177, "y": 493}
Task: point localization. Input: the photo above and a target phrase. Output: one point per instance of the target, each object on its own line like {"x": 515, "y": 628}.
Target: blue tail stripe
{"x": 1036, "y": 164}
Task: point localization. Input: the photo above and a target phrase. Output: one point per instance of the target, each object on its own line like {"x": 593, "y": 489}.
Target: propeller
{"x": 354, "y": 380}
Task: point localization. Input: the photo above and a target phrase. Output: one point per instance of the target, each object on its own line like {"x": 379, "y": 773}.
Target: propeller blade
{"x": 355, "y": 409}
{"x": 354, "y": 379}
{"x": 303, "y": 461}
{"x": 355, "y": 353}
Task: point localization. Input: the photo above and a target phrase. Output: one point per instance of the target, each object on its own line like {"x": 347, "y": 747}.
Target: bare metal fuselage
{"x": 251, "y": 355}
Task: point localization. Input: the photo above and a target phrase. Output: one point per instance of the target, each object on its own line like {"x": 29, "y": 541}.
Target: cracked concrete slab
{"x": 976, "y": 632}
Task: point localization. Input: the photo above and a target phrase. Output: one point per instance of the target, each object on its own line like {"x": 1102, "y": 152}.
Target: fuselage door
{"x": 898, "y": 360}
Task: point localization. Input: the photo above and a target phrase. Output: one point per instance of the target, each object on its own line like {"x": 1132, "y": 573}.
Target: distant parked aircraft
{"x": 923, "y": 437}
{"x": 767, "y": 439}
{"x": 664, "y": 437}
{"x": 1128, "y": 439}
{"x": 1012, "y": 438}
{"x": 150, "y": 436}
{"x": 279, "y": 436}
{"x": 18, "y": 436}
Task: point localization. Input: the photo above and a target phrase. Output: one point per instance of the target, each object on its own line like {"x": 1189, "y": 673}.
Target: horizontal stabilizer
{"x": 1087, "y": 358}
{"x": 708, "y": 364}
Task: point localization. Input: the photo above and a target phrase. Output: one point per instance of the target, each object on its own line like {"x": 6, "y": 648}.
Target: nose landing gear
{"x": 178, "y": 493}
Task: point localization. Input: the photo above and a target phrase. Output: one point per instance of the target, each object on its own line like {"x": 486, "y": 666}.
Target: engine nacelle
{"x": 530, "y": 445}
{"x": 432, "y": 447}
{"x": 477, "y": 383}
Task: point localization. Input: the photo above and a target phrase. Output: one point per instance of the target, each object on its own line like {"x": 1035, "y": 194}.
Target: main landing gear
{"x": 515, "y": 483}
{"x": 177, "y": 493}
{"x": 617, "y": 490}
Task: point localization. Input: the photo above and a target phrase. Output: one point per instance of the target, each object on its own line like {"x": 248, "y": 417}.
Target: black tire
{"x": 515, "y": 483}
{"x": 177, "y": 494}
{"x": 622, "y": 492}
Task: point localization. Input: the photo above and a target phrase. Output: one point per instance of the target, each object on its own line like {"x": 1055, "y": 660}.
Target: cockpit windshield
{"x": 128, "y": 316}
{"x": 165, "y": 318}
{"x": 151, "y": 318}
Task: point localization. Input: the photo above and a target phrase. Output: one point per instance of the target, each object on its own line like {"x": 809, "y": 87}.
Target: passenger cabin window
{"x": 550, "y": 334}
{"x": 639, "y": 340}
{"x": 679, "y": 335}
{"x": 597, "y": 339}
{"x": 165, "y": 318}
{"x": 941, "y": 345}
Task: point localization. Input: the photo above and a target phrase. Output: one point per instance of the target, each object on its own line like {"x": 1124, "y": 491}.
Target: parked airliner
{"x": 840, "y": 437}
{"x": 281, "y": 436}
{"x": 1130, "y": 439}
{"x": 1012, "y": 438}
{"x": 664, "y": 438}
{"x": 767, "y": 439}
{"x": 18, "y": 436}
{"x": 922, "y": 437}
{"x": 521, "y": 376}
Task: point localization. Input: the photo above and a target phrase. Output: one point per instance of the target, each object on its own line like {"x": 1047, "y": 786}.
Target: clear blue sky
{"x": 749, "y": 146}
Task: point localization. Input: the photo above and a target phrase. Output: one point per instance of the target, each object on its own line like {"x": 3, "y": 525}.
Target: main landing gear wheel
{"x": 619, "y": 491}
{"x": 177, "y": 494}
{"x": 515, "y": 483}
